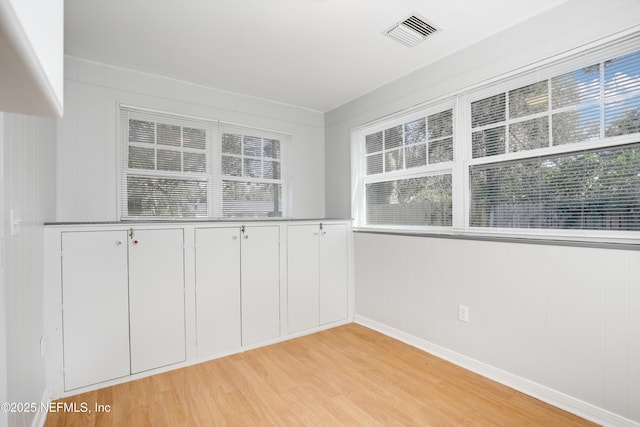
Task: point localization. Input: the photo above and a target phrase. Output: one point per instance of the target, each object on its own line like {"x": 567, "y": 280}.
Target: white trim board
{"x": 533, "y": 389}
{"x": 41, "y": 416}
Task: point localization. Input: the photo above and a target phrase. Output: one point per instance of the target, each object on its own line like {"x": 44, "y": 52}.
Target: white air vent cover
{"x": 411, "y": 31}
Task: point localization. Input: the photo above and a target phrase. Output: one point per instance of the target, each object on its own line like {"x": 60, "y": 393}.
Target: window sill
{"x": 623, "y": 243}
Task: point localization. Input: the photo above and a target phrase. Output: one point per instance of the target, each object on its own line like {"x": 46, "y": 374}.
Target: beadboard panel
{"x": 28, "y": 145}
{"x": 559, "y": 316}
{"x": 87, "y": 153}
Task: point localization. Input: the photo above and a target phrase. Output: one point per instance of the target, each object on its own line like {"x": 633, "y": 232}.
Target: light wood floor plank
{"x": 346, "y": 376}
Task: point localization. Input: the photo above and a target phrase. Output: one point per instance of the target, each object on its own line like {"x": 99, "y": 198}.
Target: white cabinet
{"x": 237, "y": 287}
{"x": 260, "y": 289}
{"x": 217, "y": 290}
{"x": 122, "y": 303}
{"x": 334, "y": 273}
{"x": 95, "y": 314}
{"x": 317, "y": 286}
{"x": 156, "y": 298}
{"x": 303, "y": 268}
{"x": 157, "y": 295}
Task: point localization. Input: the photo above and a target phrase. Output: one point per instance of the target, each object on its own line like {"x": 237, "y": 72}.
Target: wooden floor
{"x": 346, "y": 376}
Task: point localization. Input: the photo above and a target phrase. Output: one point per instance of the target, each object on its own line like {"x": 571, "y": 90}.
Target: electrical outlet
{"x": 463, "y": 313}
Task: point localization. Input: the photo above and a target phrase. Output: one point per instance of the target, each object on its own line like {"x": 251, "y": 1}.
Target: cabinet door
{"x": 260, "y": 274}
{"x": 156, "y": 298}
{"x": 218, "y": 290}
{"x": 95, "y": 314}
{"x": 303, "y": 279}
{"x": 334, "y": 273}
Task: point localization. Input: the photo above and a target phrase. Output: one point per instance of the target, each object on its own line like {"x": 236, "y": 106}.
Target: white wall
{"x": 570, "y": 25}
{"x": 565, "y": 318}
{"x": 31, "y": 47}
{"x": 28, "y": 145}
{"x": 88, "y": 144}
{"x": 43, "y": 23}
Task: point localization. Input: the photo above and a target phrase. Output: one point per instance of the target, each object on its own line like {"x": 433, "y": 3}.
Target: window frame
{"x": 463, "y": 158}
{"x": 213, "y": 174}
{"x": 282, "y": 181}
{"x": 360, "y": 179}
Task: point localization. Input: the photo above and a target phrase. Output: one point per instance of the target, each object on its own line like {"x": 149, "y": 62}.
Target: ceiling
{"x": 315, "y": 54}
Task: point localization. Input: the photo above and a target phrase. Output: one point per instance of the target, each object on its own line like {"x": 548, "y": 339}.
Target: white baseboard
{"x": 41, "y": 415}
{"x": 531, "y": 388}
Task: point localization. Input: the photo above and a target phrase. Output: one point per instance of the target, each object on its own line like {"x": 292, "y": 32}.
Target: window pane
{"x": 168, "y": 135}
{"x": 195, "y": 138}
{"x": 622, "y": 117}
{"x": 252, "y": 146}
{"x": 141, "y": 158}
{"x": 374, "y": 164}
{"x": 489, "y": 110}
{"x": 415, "y": 201}
{"x": 250, "y": 199}
{"x": 272, "y": 148}
{"x": 576, "y": 126}
{"x": 529, "y": 134}
{"x": 231, "y": 144}
{"x": 589, "y": 190}
{"x": 415, "y": 155}
{"x": 441, "y": 124}
{"x": 577, "y": 87}
{"x": 231, "y": 166}
{"x": 169, "y": 160}
{"x": 194, "y": 162}
{"x": 489, "y": 142}
{"x": 393, "y": 137}
{"x": 271, "y": 170}
{"x": 252, "y": 168}
{"x": 528, "y": 100}
{"x": 373, "y": 142}
{"x": 165, "y": 197}
{"x": 415, "y": 131}
{"x": 393, "y": 160}
{"x": 141, "y": 131}
{"x": 622, "y": 75}
{"x": 441, "y": 150}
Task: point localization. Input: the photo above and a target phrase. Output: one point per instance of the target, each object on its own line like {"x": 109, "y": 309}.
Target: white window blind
{"x": 252, "y": 184}
{"x": 406, "y": 180}
{"x": 594, "y": 189}
{"x": 588, "y": 190}
{"x": 177, "y": 167}
{"x": 553, "y": 152}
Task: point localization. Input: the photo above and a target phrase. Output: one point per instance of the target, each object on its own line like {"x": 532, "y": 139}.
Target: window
{"x": 407, "y": 171}
{"x": 252, "y": 178}
{"x": 564, "y": 185}
{"x": 176, "y": 167}
{"x": 552, "y": 153}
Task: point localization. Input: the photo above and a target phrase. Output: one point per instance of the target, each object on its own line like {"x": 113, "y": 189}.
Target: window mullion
{"x": 602, "y": 101}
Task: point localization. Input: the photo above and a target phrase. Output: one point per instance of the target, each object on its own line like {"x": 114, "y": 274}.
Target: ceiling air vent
{"x": 411, "y": 31}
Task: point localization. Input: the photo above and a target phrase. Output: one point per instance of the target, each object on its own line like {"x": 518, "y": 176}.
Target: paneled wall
{"x": 567, "y": 318}
{"x": 87, "y": 155}
{"x": 28, "y": 183}
{"x": 566, "y": 27}
{"x": 563, "y": 318}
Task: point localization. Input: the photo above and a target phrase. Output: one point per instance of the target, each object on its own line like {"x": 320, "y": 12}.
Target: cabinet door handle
{"x": 118, "y": 242}
{"x": 235, "y": 237}
{"x": 246, "y": 236}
